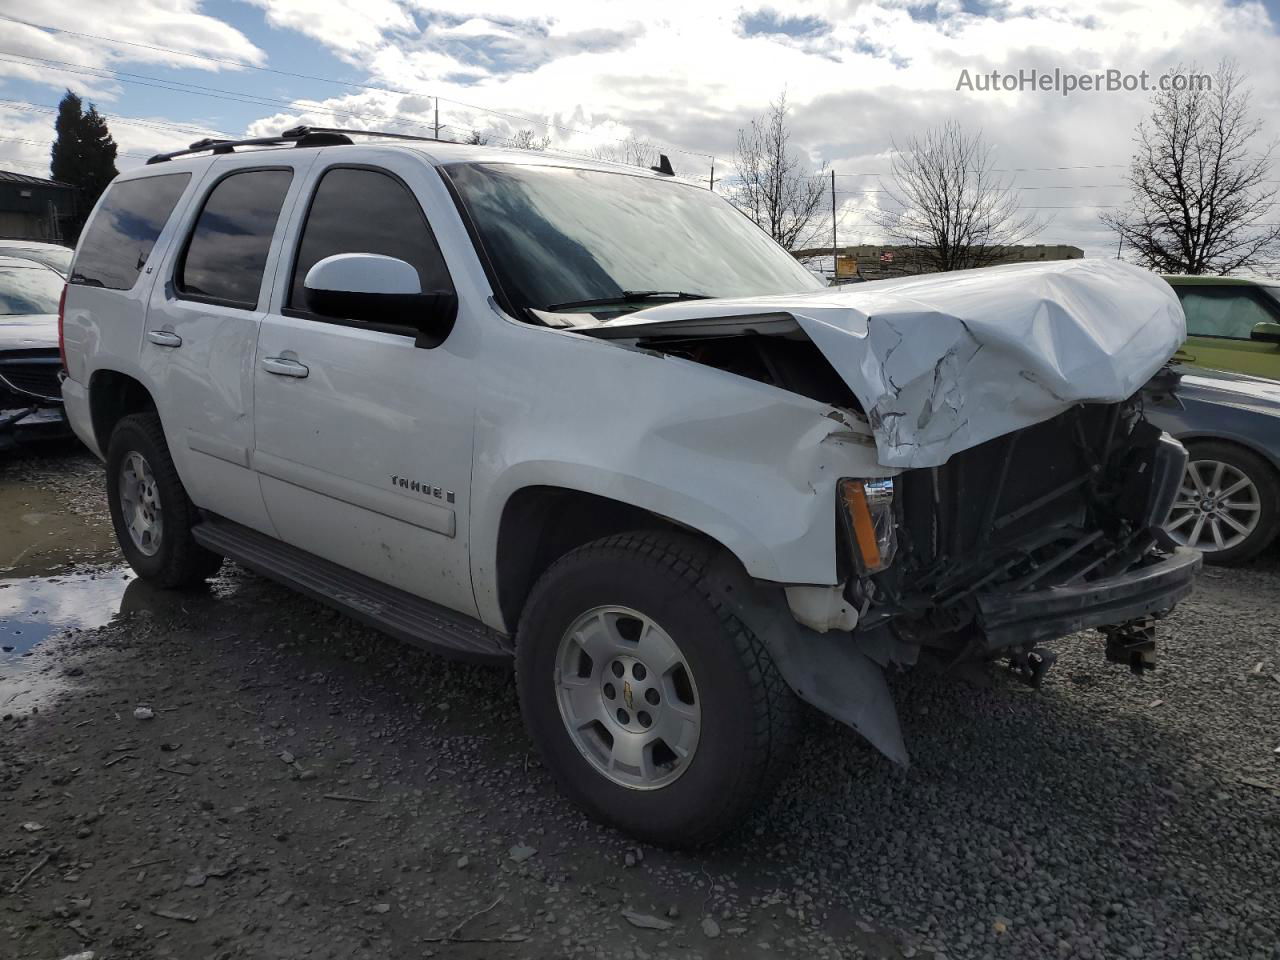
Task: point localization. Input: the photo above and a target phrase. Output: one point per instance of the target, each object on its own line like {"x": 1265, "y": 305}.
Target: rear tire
{"x": 150, "y": 510}
{"x": 1245, "y": 520}
{"x": 704, "y": 682}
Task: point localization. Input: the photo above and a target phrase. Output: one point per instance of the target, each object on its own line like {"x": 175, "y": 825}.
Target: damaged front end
{"x": 1049, "y": 530}
{"x": 1023, "y": 492}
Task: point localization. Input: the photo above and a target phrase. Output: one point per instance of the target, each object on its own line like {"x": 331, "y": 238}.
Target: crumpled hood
{"x": 944, "y": 362}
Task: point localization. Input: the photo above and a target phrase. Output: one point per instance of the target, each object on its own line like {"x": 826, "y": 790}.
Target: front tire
{"x": 655, "y": 709}
{"x": 150, "y": 510}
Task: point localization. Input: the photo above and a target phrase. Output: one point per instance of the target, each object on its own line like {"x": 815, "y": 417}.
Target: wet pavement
{"x": 59, "y": 571}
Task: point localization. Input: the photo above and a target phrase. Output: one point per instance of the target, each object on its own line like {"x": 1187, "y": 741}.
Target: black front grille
{"x": 33, "y": 373}
{"x": 1049, "y": 502}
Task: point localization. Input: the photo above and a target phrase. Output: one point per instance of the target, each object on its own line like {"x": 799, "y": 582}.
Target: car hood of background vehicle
{"x": 28, "y": 332}
{"x": 944, "y": 362}
{"x": 1226, "y": 387}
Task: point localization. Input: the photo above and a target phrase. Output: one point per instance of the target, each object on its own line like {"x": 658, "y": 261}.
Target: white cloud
{"x": 859, "y": 74}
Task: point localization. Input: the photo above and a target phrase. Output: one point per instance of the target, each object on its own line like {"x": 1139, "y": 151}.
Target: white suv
{"x": 496, "y": 404}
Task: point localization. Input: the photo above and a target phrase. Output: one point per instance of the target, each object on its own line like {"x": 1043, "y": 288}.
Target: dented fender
{"x": 749, "y": 465}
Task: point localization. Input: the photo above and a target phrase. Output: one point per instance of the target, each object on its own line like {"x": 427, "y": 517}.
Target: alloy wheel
{"x": 140, "y": 504}
{"x": 628, "y": 698}
{"x": 1218, "y": 507}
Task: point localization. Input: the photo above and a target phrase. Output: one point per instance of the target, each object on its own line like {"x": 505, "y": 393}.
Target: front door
{"x": 363, "y": 440}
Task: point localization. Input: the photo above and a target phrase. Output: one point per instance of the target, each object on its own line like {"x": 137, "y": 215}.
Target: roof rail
{"x": 300, "y": 136}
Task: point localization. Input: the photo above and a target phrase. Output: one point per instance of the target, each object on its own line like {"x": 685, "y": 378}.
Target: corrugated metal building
{"x": 33, "y": 208}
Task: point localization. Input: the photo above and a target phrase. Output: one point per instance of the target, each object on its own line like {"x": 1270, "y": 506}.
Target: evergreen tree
{"x": 83, "y": 155}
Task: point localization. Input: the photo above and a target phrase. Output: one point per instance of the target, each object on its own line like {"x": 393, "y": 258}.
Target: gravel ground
{"x": 302, "y": 787}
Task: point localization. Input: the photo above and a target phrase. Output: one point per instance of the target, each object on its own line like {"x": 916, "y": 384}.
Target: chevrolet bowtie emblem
{"x": 627, "y": 696}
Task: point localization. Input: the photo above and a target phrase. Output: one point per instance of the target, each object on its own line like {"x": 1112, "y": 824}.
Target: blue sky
{"x": 860, "y": 76}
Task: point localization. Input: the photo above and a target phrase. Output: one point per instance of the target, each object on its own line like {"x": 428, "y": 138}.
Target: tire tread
{"x": 776, "y": 709}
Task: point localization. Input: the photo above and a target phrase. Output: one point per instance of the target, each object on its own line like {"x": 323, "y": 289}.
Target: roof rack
{"x": 300, "y": 136}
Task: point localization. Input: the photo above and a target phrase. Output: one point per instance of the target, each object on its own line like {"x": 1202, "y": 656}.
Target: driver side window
{"x": 356, "y": 210}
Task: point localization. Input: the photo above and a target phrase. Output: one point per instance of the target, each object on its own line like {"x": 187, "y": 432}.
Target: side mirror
{"x": 374, "y": 289}
{"x": 1266, "y": 332}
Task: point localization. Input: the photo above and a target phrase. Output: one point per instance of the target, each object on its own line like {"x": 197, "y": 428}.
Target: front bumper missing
{"x": 1015, "y": 619}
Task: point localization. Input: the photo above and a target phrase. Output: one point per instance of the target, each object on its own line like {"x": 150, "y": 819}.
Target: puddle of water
{"x": 43, "y": 586}
{"x": 34, "y": 609}
{"x": 39, "y": 536}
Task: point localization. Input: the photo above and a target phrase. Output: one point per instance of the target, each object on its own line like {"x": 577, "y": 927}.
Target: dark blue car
{"x": 1229, "y": 504}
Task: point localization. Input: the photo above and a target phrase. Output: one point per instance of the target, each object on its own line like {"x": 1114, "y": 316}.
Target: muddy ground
{"x": 238, "y": 772}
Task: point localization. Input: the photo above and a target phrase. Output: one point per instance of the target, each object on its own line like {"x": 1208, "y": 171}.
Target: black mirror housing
{"x": 431, "y": 314}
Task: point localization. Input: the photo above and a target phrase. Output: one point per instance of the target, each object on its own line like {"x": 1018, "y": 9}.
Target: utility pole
{"x": 1119, "y": 246}
{"x": 834, "y": 255}
{"x": 437, "y": 118}
{"x": 713, "y": 174}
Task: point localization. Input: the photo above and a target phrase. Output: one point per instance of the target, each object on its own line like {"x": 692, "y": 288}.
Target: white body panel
{"x": 751, "y": 466}
{"x": 104, "y": 329}
{"x": 332, "y": 447}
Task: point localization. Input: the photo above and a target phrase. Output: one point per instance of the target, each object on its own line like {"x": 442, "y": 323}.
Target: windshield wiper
{"x": 631, "y": 296}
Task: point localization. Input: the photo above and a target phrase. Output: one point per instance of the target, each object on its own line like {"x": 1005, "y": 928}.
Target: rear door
{"x": 363, "y": 440}
{"x": 202, "y": 326}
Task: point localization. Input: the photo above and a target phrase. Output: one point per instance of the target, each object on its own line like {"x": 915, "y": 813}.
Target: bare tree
{"x": 525, "y": 140}
{"x": 774, "y": 187}
{"x": 631, "y": 151}
{"x": 948, "y": 203}
{"x": 475, "y": 138}
{"x": 1200, "y": 200}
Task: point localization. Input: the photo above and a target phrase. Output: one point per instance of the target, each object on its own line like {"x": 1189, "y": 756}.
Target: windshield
{"x": 28, "y": 290}
{"x": 569, "y": 239}
{"x": 59, "y": 258}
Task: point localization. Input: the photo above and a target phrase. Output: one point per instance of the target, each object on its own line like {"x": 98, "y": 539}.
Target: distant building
{"x": 881, "y": 261}
{"x": 33, "y": 208}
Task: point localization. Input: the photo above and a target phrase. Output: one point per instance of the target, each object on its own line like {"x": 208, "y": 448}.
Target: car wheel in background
{"x": 1228, "y": 505}
{"x": 655, "y": 709}
{"x": 150, "y": 510}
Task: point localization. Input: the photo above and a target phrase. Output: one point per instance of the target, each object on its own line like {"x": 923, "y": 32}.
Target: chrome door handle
{"x": 284, "y": 367}
{"x": 164, "y": 338}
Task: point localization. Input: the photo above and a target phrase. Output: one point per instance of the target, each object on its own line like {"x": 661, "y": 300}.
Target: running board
{"x": 389, "y": 609}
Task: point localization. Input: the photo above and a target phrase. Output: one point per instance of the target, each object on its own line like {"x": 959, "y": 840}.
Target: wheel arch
{"x": 113, "y": 396}
{"x": 1247, "y": 444}
{"x": 542, "y": 523}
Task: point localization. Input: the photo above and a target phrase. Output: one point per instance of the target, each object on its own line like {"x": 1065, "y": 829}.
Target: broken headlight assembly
{"x": 866, "y": 507}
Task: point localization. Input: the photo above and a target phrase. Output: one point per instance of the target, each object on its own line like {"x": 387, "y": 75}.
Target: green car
{"x": 1232, "y": 324}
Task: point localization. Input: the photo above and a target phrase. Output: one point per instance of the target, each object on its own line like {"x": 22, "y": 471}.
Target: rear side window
{"x": 365, "y": 211}
{"x": 120, "y": 236}
{"x": 227, "y": 252}
{"x": 1222, "y": 311}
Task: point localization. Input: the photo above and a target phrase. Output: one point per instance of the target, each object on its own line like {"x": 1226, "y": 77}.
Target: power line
{"x": 26, "y": 106}
{"x": 175, "y": 86}
{"x": 551, "y": 125}
{"x": 200, "y": 56}
{"x": 49, "y": 143}
{"x": 1078, "y": 166}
